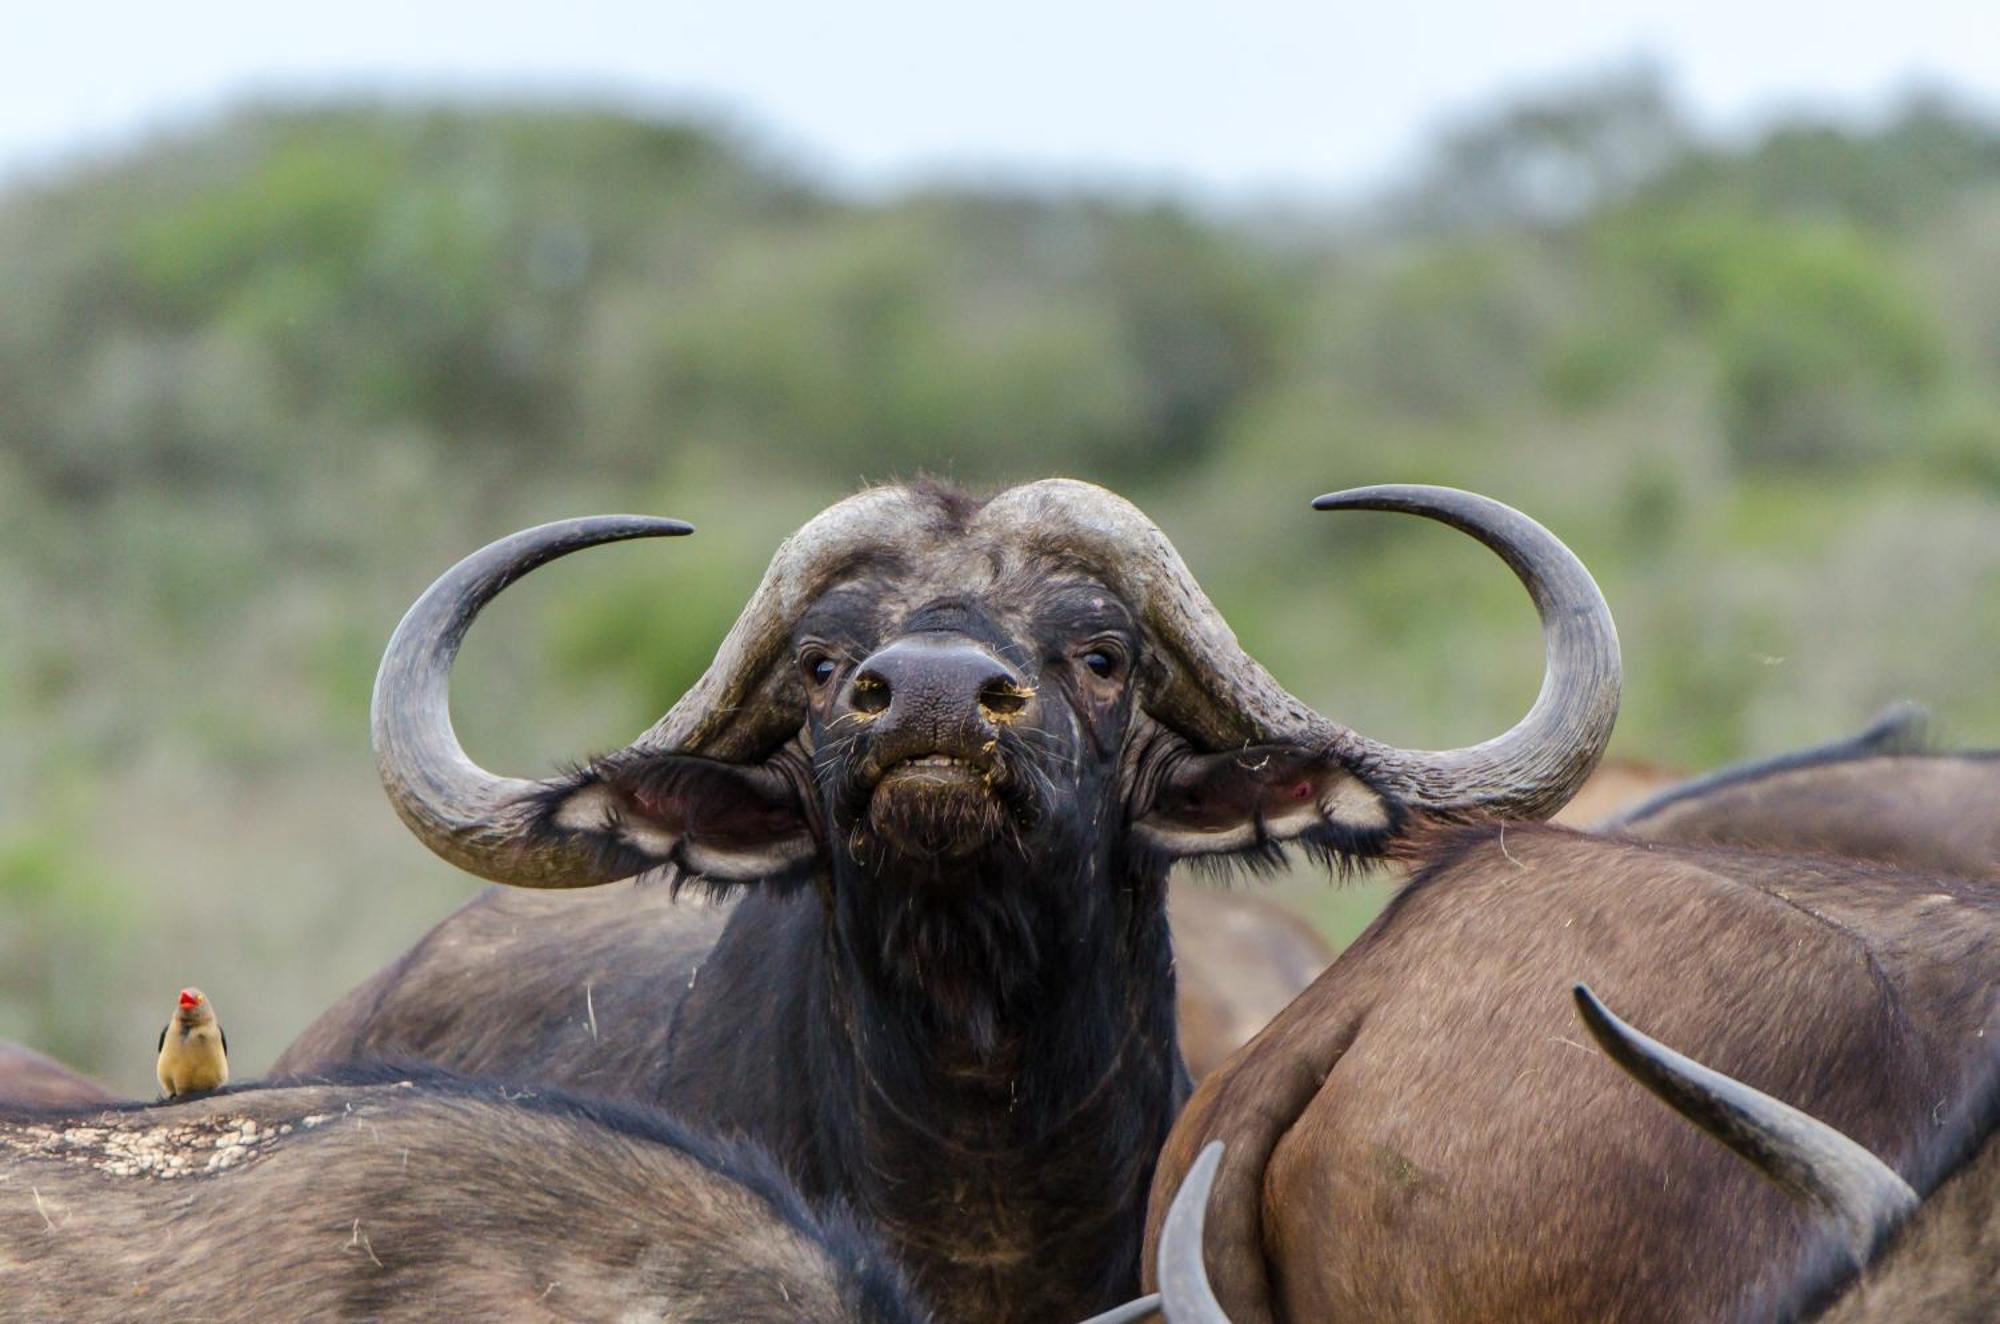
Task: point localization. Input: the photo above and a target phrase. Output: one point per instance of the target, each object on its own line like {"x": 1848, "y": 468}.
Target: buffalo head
{"x": 928, "y": 688}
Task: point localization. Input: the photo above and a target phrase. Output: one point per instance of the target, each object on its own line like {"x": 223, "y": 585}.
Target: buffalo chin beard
{"x": 935, "y": 810}
{"x": 958, "y": 887}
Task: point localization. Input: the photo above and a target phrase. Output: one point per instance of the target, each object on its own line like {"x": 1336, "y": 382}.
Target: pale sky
{"x": 1231, "y": 99}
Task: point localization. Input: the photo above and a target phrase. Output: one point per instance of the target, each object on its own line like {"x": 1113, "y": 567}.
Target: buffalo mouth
{"x": 938, "y": 770}
{"x": 938, "y": 805}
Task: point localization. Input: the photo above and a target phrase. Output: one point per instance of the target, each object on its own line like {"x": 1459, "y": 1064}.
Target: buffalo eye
{"x": 818, "y": 668}
{"x": 1102, "y": 662}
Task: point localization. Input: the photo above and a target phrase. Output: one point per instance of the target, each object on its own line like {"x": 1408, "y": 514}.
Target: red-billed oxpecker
{"x": 194, "y": 1052}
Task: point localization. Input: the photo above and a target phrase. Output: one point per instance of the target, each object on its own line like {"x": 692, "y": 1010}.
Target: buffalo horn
{"x": 1805, "y": 1156}
{"x": 476, "y": 820}
{"x": 1185, "y": 1296}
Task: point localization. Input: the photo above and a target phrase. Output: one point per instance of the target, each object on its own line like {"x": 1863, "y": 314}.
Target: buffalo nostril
{"x": 871, "y": 693}
{"x": 1002, "y": 699}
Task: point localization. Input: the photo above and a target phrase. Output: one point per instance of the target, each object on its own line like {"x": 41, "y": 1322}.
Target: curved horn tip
{"x": 1902, "y": 726}
{"x": 1588, "y": 1004}
{"x": 635, "y": 526}
{"x": 1640, "y": 1054}
{"x": 1186, "y": 1296}
{"x": 1533, "y": 768}
{"x": 1809, "y": 1158}
{"x": 1614, "y": 1036}
{"x": 611, "y": 527}
{"x": 1485, "y": 517}
{"x": 1364, "y": 498}
{"x": 480, "y": 822}
{"x": 1402, "y": 497}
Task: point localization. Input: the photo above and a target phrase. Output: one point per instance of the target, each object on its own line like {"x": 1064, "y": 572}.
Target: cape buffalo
{"x": 1901, "y": 728}
{"x": 426, "y": 1196}
{"x": 1617, "y": 785}
{"x": 1938, "y": 1260}
{"x": 1424, "y": 1136}
{"x": 27, "y": 1077}
{"x": 946, "y": 757}
{"x": 1878, "y": 796}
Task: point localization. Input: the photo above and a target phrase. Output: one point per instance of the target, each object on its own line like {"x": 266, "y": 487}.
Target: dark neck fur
{"x": 995, "y": 1063}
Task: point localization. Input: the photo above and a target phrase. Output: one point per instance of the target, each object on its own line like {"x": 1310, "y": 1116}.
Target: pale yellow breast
{"x": 192, "y": 1061}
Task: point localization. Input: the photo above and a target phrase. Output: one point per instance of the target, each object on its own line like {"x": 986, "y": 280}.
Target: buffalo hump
{"x": 1424, "y": 1134}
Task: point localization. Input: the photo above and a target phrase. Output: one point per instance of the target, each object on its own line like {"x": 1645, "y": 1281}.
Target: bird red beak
{"x": 190, "y": 998}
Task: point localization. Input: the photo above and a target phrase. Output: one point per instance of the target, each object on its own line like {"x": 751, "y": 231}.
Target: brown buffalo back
{"x": 28, "y": 1077}
{"x": 1425, "y": 1135}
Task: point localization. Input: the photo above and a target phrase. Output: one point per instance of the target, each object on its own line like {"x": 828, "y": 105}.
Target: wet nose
{"x": 937, "y": 694}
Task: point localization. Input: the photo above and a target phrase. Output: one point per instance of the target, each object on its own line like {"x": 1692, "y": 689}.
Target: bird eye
{"x": 1100, "y": 662}
{"x": 819, "y": 668}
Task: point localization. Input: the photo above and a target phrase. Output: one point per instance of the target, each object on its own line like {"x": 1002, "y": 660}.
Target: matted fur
{"x": 394, "y": 1195}
{"x": 1933, "y": 812}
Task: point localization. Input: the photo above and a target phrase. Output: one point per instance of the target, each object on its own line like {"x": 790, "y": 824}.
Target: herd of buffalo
{"x": 855, "y": 989}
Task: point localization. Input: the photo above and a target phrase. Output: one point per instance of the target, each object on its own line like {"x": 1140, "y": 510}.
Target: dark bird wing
{"x": 161, "y": 1046}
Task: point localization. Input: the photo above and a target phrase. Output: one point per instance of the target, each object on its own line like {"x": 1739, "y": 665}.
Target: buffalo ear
{"x": 1248, "y": 800}
{"x": 720, "y": 821}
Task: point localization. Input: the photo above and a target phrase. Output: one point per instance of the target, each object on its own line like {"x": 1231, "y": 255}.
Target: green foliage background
{"x": 259, "y": 382}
